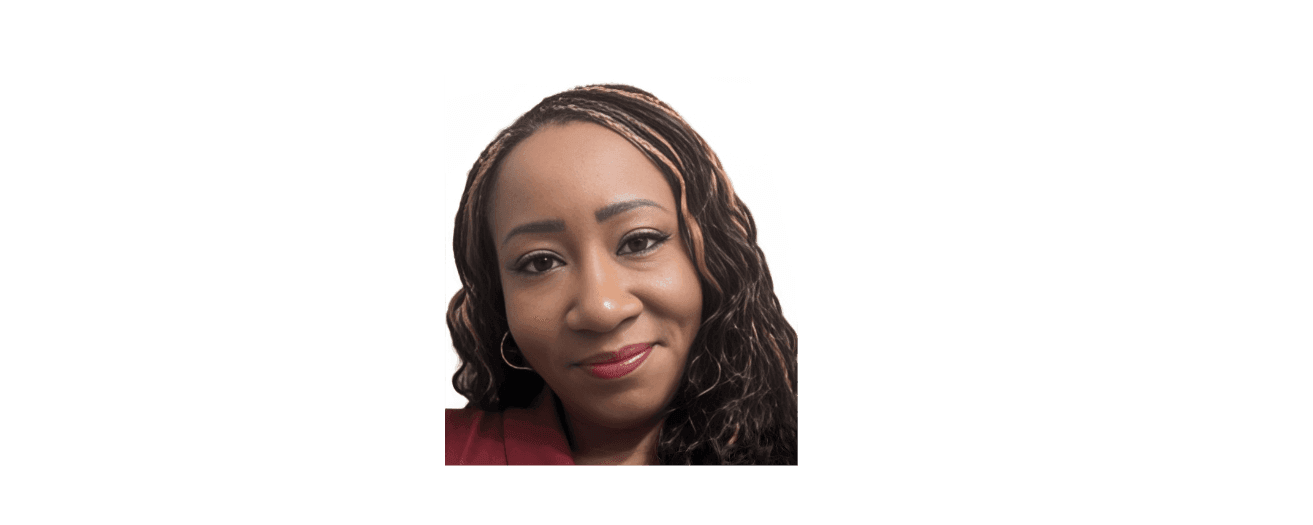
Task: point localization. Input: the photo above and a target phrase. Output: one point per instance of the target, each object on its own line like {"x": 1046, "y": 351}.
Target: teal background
{"x": 1054, "y": 261}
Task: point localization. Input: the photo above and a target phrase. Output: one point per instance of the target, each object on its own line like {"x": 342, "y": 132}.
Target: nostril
{"x": 602, "y": 312}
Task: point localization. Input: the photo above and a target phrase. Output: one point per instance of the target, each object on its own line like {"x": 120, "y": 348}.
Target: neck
{"x": 595, "y": 445}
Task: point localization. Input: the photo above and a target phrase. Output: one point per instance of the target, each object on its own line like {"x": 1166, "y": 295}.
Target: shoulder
{"x": 475, "y": 437}
{"x": 517, "y": 436}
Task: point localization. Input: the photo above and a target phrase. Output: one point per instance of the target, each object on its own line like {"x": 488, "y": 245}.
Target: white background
{"x": 751, "y": 122}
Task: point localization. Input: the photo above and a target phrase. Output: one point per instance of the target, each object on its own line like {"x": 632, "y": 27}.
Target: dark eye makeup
{"x": 637, "y": 243}
{"x": 538, "y": 262}
{"x": 641, "y": 242}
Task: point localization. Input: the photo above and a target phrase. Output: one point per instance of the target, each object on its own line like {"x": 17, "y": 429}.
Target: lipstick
{"x": 615, "y": 365}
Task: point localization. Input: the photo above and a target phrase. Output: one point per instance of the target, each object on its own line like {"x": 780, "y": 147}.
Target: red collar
{"x": 535, "y": 436}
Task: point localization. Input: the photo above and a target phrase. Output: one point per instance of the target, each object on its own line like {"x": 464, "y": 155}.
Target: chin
{"x": 624, "y": 410}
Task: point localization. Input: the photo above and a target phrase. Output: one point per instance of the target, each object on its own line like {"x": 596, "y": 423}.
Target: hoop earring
{"x": 503, "y": 354}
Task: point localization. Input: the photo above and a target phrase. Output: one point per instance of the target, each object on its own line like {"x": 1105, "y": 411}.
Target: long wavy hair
{"x": 737, "y": 402}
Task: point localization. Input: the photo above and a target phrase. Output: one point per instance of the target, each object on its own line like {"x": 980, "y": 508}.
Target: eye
{"x": 642, "y": 242}
{"x": 535, "y": 263}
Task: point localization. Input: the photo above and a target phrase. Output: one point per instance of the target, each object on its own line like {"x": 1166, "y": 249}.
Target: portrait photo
{"x": 620, "y": 269}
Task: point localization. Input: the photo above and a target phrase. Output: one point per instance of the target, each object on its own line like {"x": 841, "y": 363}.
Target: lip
{"x": 614, "y": 365}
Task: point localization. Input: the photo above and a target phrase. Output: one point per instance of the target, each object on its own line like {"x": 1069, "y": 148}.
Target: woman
{"x": 615, "y": 307}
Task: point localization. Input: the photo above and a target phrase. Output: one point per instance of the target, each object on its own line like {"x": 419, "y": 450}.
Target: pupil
{"x": 541, "y": 264}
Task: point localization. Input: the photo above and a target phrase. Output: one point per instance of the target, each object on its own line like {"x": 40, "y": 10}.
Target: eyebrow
{"x": 547, "y": 226}
{"x": 602, "y": 214}
{"x": 611, "y": 210}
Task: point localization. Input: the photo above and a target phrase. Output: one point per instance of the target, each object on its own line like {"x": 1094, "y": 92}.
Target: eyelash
{"x": 656, "y": 239}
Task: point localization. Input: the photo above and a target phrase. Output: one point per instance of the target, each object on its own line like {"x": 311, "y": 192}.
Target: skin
{"x": 591, "y": 286}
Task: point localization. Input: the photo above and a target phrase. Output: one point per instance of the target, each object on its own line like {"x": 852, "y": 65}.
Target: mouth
{"x": 614, "y": 365}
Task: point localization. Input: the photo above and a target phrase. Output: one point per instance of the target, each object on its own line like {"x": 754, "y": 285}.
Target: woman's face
{"x": 601, "y": 296}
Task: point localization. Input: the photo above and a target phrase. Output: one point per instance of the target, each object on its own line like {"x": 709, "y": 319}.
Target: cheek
{"x": 680, "y": 294}
{"x": 532, "y": 321}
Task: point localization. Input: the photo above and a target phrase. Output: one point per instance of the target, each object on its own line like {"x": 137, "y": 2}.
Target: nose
{"x": 603, "y": 299}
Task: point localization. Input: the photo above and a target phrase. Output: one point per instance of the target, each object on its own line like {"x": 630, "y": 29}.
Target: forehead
{"x": 573, "y": 169}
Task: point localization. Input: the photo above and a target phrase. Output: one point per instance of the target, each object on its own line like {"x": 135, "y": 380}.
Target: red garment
{"x": 516, "y": 436}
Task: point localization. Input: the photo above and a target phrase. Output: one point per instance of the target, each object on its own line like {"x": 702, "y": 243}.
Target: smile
{"x": 622, "y": 364}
